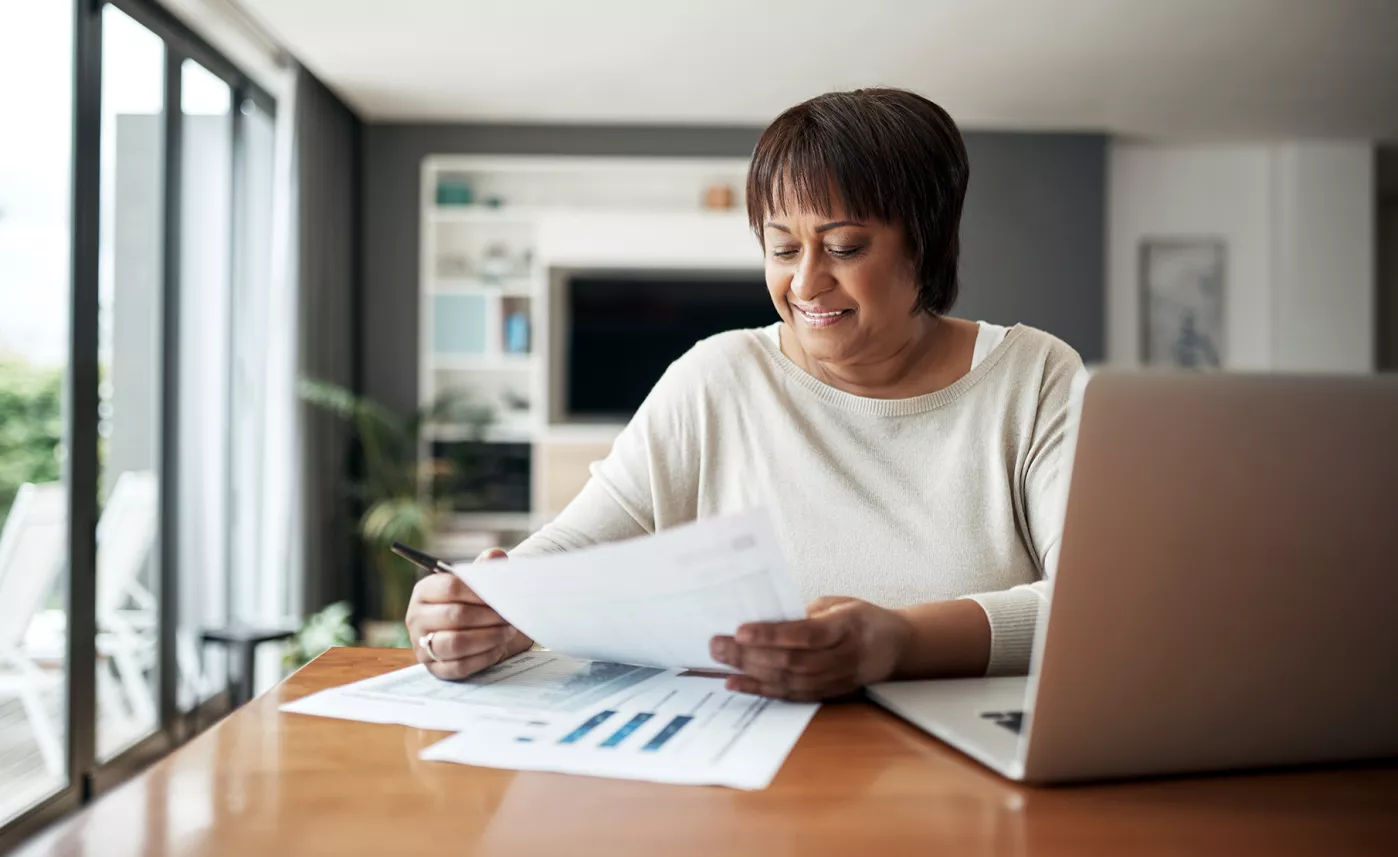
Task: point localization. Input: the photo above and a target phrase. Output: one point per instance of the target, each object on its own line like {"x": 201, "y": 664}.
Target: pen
{"x": 427, "y": 562}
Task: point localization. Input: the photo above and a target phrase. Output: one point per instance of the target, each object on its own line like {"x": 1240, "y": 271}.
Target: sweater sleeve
{"x": 647, "y": 482}
{"x": 1014, "y": 613}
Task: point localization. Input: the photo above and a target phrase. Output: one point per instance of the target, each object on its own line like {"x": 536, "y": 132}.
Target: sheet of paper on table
{"x": 671, "y": 728}
{"x": 530, "y": 688}
{"x": 653, "y": 601}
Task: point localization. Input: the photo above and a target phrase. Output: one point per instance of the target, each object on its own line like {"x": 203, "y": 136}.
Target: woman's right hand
{"x": 467, "y": 636}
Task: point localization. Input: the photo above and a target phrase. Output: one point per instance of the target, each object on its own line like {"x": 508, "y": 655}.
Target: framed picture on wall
{"x": 1182, "y": 301}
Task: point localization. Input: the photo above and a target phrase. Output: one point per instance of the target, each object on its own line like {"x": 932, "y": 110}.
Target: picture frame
{"x": 1182, "y": 302}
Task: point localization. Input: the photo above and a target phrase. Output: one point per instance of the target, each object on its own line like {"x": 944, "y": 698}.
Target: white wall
{"x": 1297, "y": 222}
{"x": 1324, "y": 298}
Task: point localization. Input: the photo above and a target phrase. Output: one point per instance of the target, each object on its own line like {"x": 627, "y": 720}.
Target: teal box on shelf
{"x": 451, "y": 192}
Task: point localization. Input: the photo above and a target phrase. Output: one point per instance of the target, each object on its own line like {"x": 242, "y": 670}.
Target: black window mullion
{"x": 170, "y": 396}
{"x": 83, "y": 379}
{"x": 236, "y": 206}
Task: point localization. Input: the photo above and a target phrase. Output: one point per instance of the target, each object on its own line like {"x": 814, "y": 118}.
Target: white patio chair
{"x": 33, "y": 545}
{"x": 125, "y": 538}
{"x": 127, "y": 612}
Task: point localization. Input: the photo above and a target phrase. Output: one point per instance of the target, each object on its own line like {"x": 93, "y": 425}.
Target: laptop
{"x": 1226, "y": 591}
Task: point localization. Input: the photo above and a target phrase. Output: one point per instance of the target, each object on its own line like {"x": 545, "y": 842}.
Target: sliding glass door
{"x": 131, "y": 294}
{"x": 36, "y": 95}
{"x": 135, "y": 208}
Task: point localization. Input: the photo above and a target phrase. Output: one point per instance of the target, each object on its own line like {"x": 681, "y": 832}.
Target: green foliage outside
{"x": 31, "y": 427}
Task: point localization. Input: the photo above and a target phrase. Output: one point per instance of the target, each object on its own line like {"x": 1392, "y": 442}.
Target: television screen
{"x": 625, "y": 329}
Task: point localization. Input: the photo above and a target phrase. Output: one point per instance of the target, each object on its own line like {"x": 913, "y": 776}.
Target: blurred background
{"x": 283, "y": 281}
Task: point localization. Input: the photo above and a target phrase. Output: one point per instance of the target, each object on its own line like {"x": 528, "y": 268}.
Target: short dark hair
{"x": 891, "y": 155}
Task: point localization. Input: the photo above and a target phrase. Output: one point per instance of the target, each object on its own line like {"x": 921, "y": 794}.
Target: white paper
{"x": 529, "y": 688}
{"x": 655, "y": 601}
{"x": 676, "y": 728}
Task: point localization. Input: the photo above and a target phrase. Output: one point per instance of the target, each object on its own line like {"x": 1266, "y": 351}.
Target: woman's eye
{"x": 844, "y": 252}
{"x": 783, "y": 254}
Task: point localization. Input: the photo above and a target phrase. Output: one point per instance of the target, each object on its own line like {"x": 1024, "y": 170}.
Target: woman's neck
{"x": 936, "y": 354}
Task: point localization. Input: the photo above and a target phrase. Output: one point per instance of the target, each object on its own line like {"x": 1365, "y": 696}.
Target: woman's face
{"x": 846, "y": 289}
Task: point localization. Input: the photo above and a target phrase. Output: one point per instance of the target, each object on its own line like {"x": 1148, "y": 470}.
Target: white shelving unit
{"x": 502, "y": 254}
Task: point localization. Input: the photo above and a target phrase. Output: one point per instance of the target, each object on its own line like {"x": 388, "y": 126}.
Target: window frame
{"x": 87, "y": 778}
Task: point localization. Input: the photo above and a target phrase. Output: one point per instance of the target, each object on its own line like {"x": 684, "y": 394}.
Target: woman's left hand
{"x": 841, "y": 645}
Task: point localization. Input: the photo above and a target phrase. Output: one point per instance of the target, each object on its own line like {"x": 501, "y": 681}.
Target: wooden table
{"x": 860, "y": 782}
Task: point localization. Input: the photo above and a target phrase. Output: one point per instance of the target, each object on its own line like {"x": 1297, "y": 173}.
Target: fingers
{"x": 443, "y": 588}
{"x": 464, "y": 667}
{"x": 818, "y": 632}
{"x": 764, "y": 662}
{"x": 788, "y": 673}
{"x": 748, "y": 684}
{"x": 492, "y": 553}
{"x": 455, "y": 616}
{"x": 456, "y": 645}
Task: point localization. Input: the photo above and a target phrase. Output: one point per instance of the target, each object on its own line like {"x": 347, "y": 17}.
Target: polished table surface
{"x": 860, "y": 782}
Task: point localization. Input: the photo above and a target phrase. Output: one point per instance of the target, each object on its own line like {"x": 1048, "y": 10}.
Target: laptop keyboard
{"x": 1011, "y": 720}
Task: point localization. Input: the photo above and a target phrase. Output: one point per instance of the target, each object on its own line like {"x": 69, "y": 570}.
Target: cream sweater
{"x": 958, "y": 493}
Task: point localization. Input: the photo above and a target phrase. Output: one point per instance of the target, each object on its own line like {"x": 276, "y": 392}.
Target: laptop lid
{"x": 1227, "y": 585}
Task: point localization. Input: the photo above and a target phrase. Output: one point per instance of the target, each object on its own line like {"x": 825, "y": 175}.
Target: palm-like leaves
{"x": 399, "y": 478}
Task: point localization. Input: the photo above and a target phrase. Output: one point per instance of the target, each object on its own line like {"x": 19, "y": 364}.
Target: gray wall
{"x": 1032, "y": 234}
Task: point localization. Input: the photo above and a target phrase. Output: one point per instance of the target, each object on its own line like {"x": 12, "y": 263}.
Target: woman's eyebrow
{"x": 777, "y": 226}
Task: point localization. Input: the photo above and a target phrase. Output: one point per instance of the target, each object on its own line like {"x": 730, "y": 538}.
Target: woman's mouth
{"x": 821, "y": 316}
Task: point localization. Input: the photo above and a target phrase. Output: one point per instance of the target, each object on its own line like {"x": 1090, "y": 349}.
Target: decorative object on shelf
{"x": 453, "y": 265}
{"x": 517, "y": 333}
{"x": 514, "y": 402}
{"x": 454, "y": 192}
{"x": 1182, "y": 302}
{"x": 719, "y": 196}
{"x": 497, "y": 263}
{"x": 396, "y": 508}
{"x": 493, "y": 201}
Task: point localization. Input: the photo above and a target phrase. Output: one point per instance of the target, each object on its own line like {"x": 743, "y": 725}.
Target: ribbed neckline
{"x": 884, "y": 407}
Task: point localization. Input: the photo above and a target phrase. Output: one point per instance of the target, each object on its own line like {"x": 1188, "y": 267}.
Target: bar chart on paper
{"x": 677, "y": 729}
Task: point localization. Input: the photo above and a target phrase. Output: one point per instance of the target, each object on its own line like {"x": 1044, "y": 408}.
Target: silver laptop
{"x": 1226, "y": 593}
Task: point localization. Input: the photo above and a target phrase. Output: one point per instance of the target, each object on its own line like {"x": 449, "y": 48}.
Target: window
{"x": 130, "y": 352}
{"x": 135, "y": 236}
{"x": 36, "y": 86}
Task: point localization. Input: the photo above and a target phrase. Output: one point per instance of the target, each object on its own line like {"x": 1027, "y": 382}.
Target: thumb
{"x": 825, "y": 604}
{"x": 493, "y": 553}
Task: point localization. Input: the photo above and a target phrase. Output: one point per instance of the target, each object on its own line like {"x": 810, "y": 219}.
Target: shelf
{"x": 522, "y": 521}
{"x": 481, "y": 362}
{"x": 514, "y": 431}
{"x": 513, "y": 287}
{"x": 515, "y": 216}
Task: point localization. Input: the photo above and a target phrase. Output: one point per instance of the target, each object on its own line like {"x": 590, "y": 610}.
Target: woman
{"x": 914, "y": 464}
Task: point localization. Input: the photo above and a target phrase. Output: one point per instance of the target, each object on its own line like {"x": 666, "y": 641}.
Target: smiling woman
{"x": 913, "y": 463}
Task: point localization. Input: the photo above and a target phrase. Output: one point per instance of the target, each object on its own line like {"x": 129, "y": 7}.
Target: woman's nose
{"x": 810, "y": 279}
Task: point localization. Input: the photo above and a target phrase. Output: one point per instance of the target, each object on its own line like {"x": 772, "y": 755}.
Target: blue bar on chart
{"x": 667, "y": 733}
{"x": 592, "y": 723}
{"x": 631, "y": 726}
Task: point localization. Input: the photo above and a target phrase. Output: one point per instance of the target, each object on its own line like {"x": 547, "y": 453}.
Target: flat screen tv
{"x": 624, "y": 329}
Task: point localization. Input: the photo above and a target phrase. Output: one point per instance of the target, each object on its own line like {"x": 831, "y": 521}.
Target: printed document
{"x": 652, "y": 601}
{"x": 530, "y": 688}
{"x": 672, "y": 728}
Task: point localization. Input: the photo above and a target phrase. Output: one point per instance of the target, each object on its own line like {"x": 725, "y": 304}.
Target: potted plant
{"x": 399, "y": 486}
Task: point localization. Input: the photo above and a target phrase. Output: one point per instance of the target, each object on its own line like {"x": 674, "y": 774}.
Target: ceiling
{"x": 1143, "y": 67}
